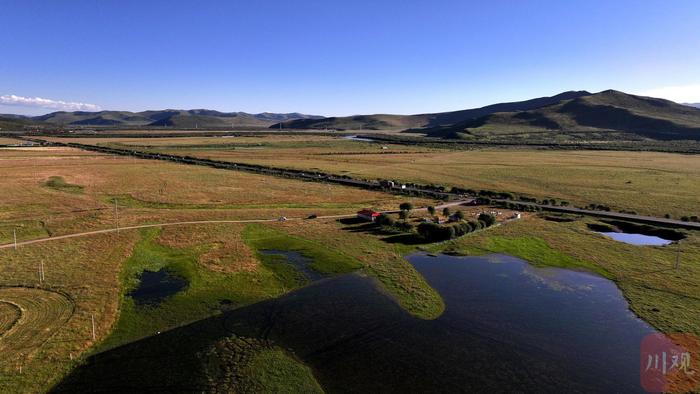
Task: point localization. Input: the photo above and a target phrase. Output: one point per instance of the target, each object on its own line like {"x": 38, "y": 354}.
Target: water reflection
{"x": 637, "y": 239}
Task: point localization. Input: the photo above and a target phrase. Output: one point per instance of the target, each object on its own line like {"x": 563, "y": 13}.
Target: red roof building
{"x": 368, "y": 214}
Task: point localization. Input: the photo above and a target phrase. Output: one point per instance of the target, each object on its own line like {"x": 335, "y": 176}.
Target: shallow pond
{"x": 155, "y": 287}
{"x": 298, "y": 261}
{"x": 356, "y": 138}
{"x": 636, "y": 239}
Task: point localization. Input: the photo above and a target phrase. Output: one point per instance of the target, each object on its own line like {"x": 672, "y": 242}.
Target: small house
{"x": 368, "y": 214}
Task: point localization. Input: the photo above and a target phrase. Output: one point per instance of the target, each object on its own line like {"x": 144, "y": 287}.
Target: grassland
{"x": 8, "y": 141}
{"x": 248, "y": 365}
{"x": 95, "y": 273}
{"x": 38, "y": 313}
{"x": 222, "y": 263}
{"x": 80, "y": 277}
{"x": 645, "y": 182}
{"x": 149, "y": 192}
{"x": 60, "y": 184}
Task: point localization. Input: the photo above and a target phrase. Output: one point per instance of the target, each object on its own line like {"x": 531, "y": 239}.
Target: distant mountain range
{"x": 570, "y": 115}
{"x": 386, "y": 122}
{"x": 195, "y": 118}
{"x": 696, "y": 105}
{"x": 573, "y": 115}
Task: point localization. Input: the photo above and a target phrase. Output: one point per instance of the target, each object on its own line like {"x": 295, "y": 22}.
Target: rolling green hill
{"x": 12, "y": 123}
{"x": 402, "y": 122}
{"x": 608, "y": 115}
{"x": 196, "y": 118}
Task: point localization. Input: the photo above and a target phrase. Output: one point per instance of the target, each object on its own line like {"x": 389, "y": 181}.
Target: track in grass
{"x": 28, "y": 318}
{"x": 9, "y": 315}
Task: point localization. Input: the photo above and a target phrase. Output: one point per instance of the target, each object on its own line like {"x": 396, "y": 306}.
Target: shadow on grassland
{"x": 387, "y": 235}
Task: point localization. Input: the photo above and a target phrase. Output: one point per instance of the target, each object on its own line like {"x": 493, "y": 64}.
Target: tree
{"x": 446, "y": 211}
{"x": 436, "y": 233}
{"x": 489, "y": 220}
{"x": 459, "y": 215}
{"x": 406, "y": 206}
{"x": 475, "y": 225}
{"x": 385, "y": 220}
{"x": 403, "y": 214}
{"x": 431, "y": 210}
{"x": 404, "y": 226}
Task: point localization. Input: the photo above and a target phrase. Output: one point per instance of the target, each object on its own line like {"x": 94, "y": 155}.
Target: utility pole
{"x": 92, "y": 317}
{"x": 14, "y": 233}
{"x": 43, "y": 277}
{"x": 116, "y": 215}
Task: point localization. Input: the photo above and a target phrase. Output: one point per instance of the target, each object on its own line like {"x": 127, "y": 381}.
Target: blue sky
{"x": 339, "y": 57}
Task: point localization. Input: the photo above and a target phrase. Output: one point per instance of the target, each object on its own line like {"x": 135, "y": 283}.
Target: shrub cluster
{"x": 386, "y": 221}
{"x": 433, "y": 232}
{"x": 518, "y": 207}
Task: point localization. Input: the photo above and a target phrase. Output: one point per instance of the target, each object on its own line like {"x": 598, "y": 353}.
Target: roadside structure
{"x": 368, "y": 214}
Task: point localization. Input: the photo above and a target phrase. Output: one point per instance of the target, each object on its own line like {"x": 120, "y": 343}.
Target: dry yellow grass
{"x": 149, "y": 191}
{"x": 222, "y": 246}
{"x": 83, "y": 271}
{"x": 8, "y": 141}
{"x": 9, "y": 315}
{"x": 646, "y": 182}
{"x": 42, "y": 313}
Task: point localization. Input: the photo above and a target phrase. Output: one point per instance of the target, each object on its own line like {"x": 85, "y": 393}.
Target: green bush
{"x": 403, "y": 226}
{"x": 384, "y": 220}
{"x": 432, "y": 232}
{"x": 488, "y": 219}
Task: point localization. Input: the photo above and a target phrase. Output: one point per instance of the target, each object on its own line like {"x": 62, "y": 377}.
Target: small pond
{"x": 636, "y": 239}
{"x": 356, "y": 138}
{"x": 155, "y": 287}
{"x": 636, "y": 234}
{"x": 300, "y": 262}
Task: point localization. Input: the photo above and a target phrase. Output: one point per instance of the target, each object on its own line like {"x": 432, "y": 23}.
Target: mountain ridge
{"x": 390, "y": 121}
{"x": 603, "y": 115}
{"x": 166, "y": 118}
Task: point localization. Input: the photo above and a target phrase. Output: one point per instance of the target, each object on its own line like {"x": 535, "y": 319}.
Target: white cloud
{"x": 679, "y": 94}
{"x": 11, "y": 99}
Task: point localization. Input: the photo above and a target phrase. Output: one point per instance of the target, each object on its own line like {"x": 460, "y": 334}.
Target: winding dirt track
{"x": 112, "y": 230}
{"x": 37, "y": 315}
